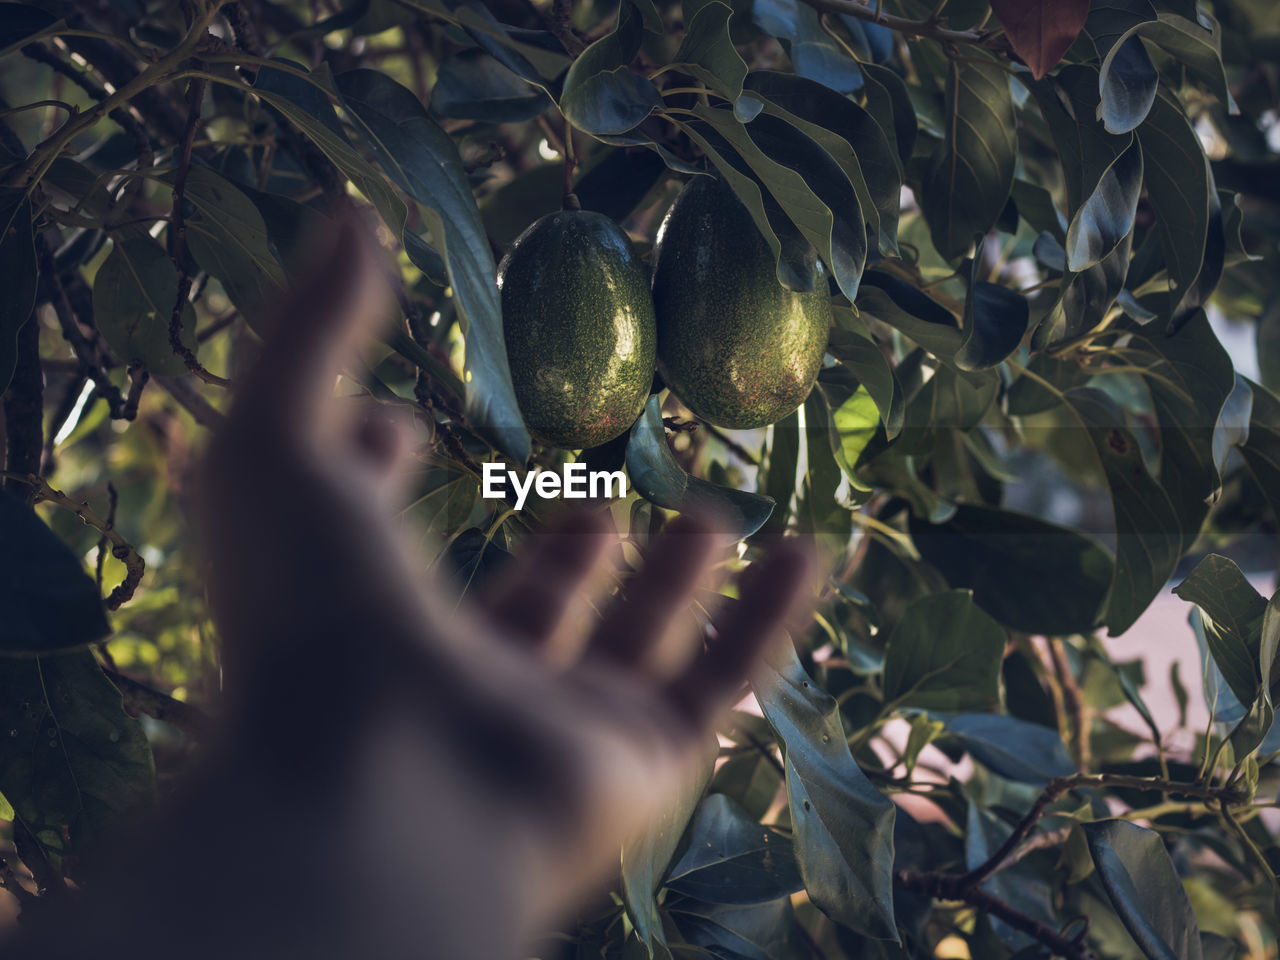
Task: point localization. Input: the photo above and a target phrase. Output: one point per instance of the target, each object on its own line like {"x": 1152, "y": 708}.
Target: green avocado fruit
{"x": 577, "y": 317}
{"x": 739, "y": 349}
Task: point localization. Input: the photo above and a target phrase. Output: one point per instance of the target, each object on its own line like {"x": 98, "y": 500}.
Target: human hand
{"x": 507, "y": 746}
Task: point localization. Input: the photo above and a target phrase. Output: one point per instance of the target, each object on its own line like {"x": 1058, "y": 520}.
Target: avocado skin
{"x": 738, "y": 348}
{"x": 577, "y": 317}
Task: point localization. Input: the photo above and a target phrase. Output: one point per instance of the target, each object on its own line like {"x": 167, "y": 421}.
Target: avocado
{"x": 577, "y": 317}
{"x": 739, "y": 349}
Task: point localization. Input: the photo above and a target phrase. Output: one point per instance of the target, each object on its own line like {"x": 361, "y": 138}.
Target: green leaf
{"x": 1127, "y": 81}
{"x": 1180, "y": 187}
{"x": 852, "y": 344}
{"x": 306, "y": 104}
{"x": 423, "y": 161}
{"x": 944, "y": 654}
{"x": 1148, "y": 527}
{"x": 1233, "y": 614}
{"x": 18, "y": 274}
{"x": 912, "y": 311}
{"x": 850, "y": 135}
{"x": 535, "y": 55}
{"x": 708, "y": 53}
{"x": 601, "y": 95}
{"x": 47, "y": 602}
{"x": 814, "y": 54}
{"x": 890, "y": 103}
{"x": 766, "y": 931}
{"x": 133, "y": 298}
{"x": 995, "y": 318}
{"x": 971, "y": 172}
{"x": 1031, "y": 575}
{"x": 75, "y": 764}
{"x": 818, "y": 509}
{"x": 645, "y": 860}
{"x": 855, "y": 422}
{"x": 1261, "y": 451}
{"x": 1015, "y": 749}
{"x": 842, "y": 826}
{"x": 777, "y": 476}
{"x": 1016, "y": 885}
{"x": 1138, "y": 876}
{"x": 228, "y": 238}
{"x": 1106, "y": 217}
{"x": 1189, "y": 43}
{"x": 730, "y": 858}
{"x": 475, "y": 86}
{"x": 658, "y": 478}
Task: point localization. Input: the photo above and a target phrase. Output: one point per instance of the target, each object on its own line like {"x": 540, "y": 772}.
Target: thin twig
{"x": 1073, "y": 702}
{"x": 141, "y": 698}
{"x": 203, "y": 412}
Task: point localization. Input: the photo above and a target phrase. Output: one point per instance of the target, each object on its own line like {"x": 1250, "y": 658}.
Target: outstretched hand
{"x": 406, "y": 775}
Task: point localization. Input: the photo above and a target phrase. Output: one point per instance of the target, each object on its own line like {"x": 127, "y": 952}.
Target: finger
{"x": 384, "y": 441}
{"x": 550, "y": 582}
{"x": 773, "y": 592}
{"x": 330, "y": 314}
{"x": 637, "y": 630}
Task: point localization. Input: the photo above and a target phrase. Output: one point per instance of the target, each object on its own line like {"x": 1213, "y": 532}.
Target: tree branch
{"x": 931, "y": 29}
{"x": 141, "y": 698}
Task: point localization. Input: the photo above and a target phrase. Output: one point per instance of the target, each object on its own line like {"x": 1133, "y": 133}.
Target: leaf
{"x": 1261, "y": 451}
{"x": 1233, "y": 614}
{"x": 1106, "y": 217}
{"x": 944, "y": 654}
{"x": 423, "y": 161}
{"x": 1127, "y": 81}
{"x": 912, "y": 311}
{"x": 1041, "y": 31}
{"x": 645, "y": 860}
{"x": 814, "y": 54}
{"x": 971, "y": 172}
{"x": 842, "y": 826}
{"x": 18, "y": 272}
{"x": 472, "y": 85}
{"x": 47, "y": 602}
{"x": 765, "y": 931}
{"x": 75, "y": 763}
{"x": 1016, "y": 885}
{"x": 1148, "y": 528}
{"x": 133, "y": 297}
{"x": 995, "y": 318}
{"x": 852, "y": 344}
{"x": 850, "y": 135}
{"x": 819, "y": 509}
{"x": 306, "y": 105}
{"x": 777, "y": 476}
{"x": 535, "y": 55}
{"x": 707, "y": 52}
{"x": 1180, "y": 187}
{"x": 889, "y": 101}
{"x": 1015, "y": 749}
{"x": 733, "y": 859}
{"x": 1135, "y": 870}
{"x": 1191, "y": 44}
{"x": 658, "y": 478}
{"x": 1031, "y": 575}
{"x": 228, "y": 238}
{"x": 601, "y": 95}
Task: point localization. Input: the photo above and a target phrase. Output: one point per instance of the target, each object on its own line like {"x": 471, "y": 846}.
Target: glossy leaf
{"x": 995, "y": 319}
{"x": 475, "y": 86}
{"x": 1191, "y": 44}
{"x": 730, "y": 858}
{"x": 1127, "y": 80}
{"x": 764, "y": 931}
{"x": 1139, "y": 878}
{"x": 1013, "y": 748}
{"x": 1029, "y": 574}
{"x": 228, "y": 238}
{"x": 658, "y": 478}
{"x": 75, "y": 764}
{"x": 1041, "y": 31}
{"x": 912, "y": 311}
{"x": 852, "y": 344}
{"x": 47, "y": 601}
{"x": 1233, "y": 612}
{"x": 889, "y": 101}
{"x": 814, "y": 54}
{"x": 1261, "y": 451}
{"x": 1106, "y": 216}
{"x": 133, "y": 298}
{"x": 944, "y": 654}
{"x": 842, "y": 826}
{"x": 708, "y": 53}
{"x": 423, "y": 161}
{"x": 535, "y": 55}
{"x": 601, "y": 95}
{"x": 17, "y": 275}
{"x": 971, "y": 172}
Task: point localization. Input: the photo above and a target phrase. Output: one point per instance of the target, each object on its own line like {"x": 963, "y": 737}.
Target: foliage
{"x": 1083, "y": 182}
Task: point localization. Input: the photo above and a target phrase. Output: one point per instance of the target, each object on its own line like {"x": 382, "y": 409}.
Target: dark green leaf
{"x": 1191, "y": 44}
{"x": 473, "y": 85}
{"x": 228, "y": 238}
{"x": 995, "y": 318}
{"x": 814, "y": 54}
{"x": 19, "y": 22}
{"x": 601, "y": 95}
{"x": 733, "y": 859}
{"x": 1127, "y": 81}
{"x": 18, "y": 274}
{"x": 707, "y": 52}
{"x": 850, "y": 135}
{"x": 818, "y": 509}
{"x": 47, "y": 602}
{"x": 658, "y": 478}
{"x": 777, "y": 476}
{"x": 1015, "y": 749}
{"x": 1105, "y": 218}
{"x": 852, "y": 344}
{"x": 1233, "y": 612}
{"x": 912, "y": 311}
{"x": 619, "y": 182}
{"x": 890, "y": 103}
{"x": 843, "y": 827}
{"x": 1261, "y": 452}
{"x": 1029, "y": 574}
{"x": 944, "y": 654}
{"x": 423, "y": 160}
{"x": 971, "y": 172}
{"x": 133, "y": 298}
{"x": 535, "y": 55}
{"x": 75, "y": 764}
{"x": 1138, "y": 876}
{"x": 1016, "y": 885}
{"x": 765, "y": 931}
